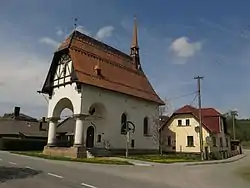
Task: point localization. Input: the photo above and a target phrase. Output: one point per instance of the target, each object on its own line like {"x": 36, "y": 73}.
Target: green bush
{"x": 215, "y": 156}
{"x": 168, "y": 158}
{"x": 26, "y": 144}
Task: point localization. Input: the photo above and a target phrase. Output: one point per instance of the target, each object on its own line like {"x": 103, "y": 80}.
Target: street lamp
{"x": 127, "y": 133}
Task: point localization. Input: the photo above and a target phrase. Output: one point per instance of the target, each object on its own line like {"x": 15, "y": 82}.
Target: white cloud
{"x": 83, "y": 30}
{"x": 105, "y": 32}
{"x": 28, "y": 74}
{"x": 22, "y": 74}
{"x": 183, "y": 47}
{"x": 59, "y": 32}
{"x": 49, "y": 41}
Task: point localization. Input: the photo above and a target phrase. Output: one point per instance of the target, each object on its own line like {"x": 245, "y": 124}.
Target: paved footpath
{"x": 23, "y": 171}
{"x": 146, "y": 163}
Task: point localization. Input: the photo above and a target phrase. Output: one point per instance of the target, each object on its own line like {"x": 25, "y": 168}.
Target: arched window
{"x": 99, "y": 138}
{"x": 145, "y": 126}
{"x": 123, "y": 123}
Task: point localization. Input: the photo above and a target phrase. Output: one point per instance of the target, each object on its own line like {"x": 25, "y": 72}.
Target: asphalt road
{"x": 23, "y": 171}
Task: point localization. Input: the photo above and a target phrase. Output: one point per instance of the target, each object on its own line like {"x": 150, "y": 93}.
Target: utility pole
{"x": 233, "y": 114}
{"x": 199, "y": 78}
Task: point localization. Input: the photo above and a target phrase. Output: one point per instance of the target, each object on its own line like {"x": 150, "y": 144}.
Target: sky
{"x": 178, "y": 40}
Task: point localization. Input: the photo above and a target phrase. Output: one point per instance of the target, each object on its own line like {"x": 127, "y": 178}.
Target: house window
{"x": 123, "y": 123}
{"x": 187, "y": 122}
{"x": 99, "y": 138}
{"x": 169, "y": 140}
{"x": 214, "y": 141}
{"x": 190, "y": 141}
{"x": 179, "y": 122}
{"x": 132, "y": 143}
{"x": 221, "y": 142}
{"x": 145, "y": 126}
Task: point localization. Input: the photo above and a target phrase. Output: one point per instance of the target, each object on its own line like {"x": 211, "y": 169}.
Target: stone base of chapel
{"x": 72, "y": 152}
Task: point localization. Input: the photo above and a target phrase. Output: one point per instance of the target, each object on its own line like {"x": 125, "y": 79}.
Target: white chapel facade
{"x": 106, "y": 90}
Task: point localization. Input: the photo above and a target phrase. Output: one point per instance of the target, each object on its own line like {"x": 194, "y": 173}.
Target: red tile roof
{"x": 118, "y": 71}
{"x": 210, "y": 116}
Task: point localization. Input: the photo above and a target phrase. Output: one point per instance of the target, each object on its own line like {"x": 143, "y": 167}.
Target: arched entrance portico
{"x": 61, "y": 105}
{"x": 90, "y": 137}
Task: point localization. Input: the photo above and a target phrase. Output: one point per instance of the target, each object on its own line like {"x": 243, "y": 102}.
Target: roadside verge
{"x": 97, "y": 160}
{"x": 229, "y": 160}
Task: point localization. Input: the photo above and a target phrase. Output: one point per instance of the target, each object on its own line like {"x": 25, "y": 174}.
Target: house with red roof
{"x": 109, "y": 96}
{"x": 180, "y": 133}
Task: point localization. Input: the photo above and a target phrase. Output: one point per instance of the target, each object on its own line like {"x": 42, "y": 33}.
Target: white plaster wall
{"x": 181, "y": 133}
{"x": 67, "y": 91}
{"x": 179, "y": 136}
{"x": 115, "y": 104}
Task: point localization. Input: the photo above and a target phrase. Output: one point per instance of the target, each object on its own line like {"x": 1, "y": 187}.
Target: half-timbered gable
{"x": 63, "y": 70}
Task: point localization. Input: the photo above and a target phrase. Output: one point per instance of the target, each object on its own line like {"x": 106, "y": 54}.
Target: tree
{"x": 164, "y": 110}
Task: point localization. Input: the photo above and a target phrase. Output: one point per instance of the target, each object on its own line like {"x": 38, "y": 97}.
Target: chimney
{"x": 40, "y": 126}
{"x": 16, "y": 111}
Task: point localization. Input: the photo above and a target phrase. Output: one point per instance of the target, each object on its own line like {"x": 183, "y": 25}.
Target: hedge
{"x": 24, "y": 144}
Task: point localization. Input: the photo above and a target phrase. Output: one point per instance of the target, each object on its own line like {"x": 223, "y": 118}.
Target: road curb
{"x": 141, "y": 164}
{"x": 217, "y": 162}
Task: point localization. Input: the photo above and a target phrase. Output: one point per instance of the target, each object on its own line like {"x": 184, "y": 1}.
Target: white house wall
{"x": 116, "y": 104}
{"x": 181, "y": 133}
{"x": 179, "y": 136}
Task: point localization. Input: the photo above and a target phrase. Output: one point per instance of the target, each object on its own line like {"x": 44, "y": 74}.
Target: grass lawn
{"x": 244, "y": 173}
{"x": 99, "y": 160}
{"x": 166, "y": 158}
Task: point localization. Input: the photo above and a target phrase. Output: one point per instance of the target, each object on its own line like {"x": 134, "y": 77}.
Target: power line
{"x": 193, "y": 99}
{"x": 182, "y": 96}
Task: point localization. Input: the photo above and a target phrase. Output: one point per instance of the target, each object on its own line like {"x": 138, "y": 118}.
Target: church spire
{"x": 135, "y": 35}
{"x": 134, "y": 52}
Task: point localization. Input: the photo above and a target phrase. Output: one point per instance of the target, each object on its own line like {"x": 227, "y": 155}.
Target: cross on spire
{"x": 75, "y": 23}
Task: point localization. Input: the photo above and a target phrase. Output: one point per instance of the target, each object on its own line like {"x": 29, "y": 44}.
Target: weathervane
{"x": 75, "y": 23}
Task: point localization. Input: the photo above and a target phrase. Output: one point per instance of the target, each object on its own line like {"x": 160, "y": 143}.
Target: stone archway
{"x": 61, "y": 105}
